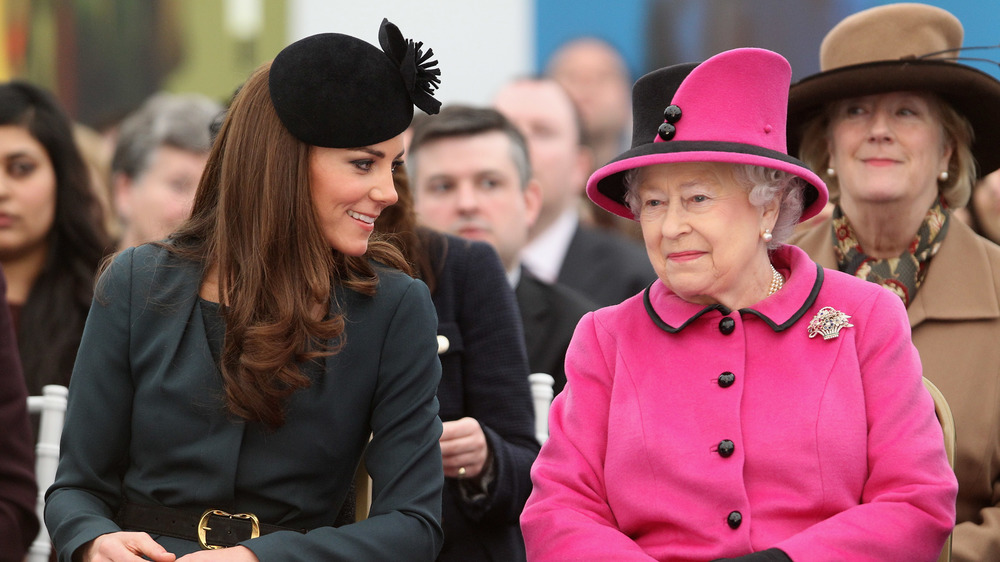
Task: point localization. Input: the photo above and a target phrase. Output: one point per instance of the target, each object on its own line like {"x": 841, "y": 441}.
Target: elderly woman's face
{"x": 888, "y": 148}
{"x": 702, "y": 234}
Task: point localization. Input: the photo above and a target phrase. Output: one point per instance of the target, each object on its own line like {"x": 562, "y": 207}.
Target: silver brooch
{"x": 828, "y": 322}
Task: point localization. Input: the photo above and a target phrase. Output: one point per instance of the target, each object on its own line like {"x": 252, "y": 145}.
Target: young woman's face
{"x": 350, "y": 188}
{"x": 27, "y": 193}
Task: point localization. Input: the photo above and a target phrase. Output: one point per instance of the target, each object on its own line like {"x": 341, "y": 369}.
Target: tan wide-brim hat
{"x": 895, "y": 48}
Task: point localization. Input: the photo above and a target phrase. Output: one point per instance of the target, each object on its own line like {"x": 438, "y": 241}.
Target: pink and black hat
{"x": 731, "y": 108}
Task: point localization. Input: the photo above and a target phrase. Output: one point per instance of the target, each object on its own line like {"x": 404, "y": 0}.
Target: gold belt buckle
{"x": 203, "y": 526}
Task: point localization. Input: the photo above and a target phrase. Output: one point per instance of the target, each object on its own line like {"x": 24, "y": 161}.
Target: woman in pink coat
{"x": 749, "y": 405}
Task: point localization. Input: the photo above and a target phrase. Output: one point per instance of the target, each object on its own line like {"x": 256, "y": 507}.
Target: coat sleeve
{"x": 980, "y": 539}
{"x": 18, "y": 491}
{"x": 907, "y": 507}
{"x": 567, "y": 516}
{"x": 403, "y": 458}
{"x": 495, "y": 379}
{"x": 82, "y": 501}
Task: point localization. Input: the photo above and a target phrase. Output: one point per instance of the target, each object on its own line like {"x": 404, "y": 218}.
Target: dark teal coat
{"x": 146, "y": 421}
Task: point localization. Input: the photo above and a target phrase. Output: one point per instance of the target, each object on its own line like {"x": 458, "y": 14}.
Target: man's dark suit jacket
{"x": 606, "y": 267}
{"x": 549, "y": 314}
{"x": 18, "y": 491}
{"x": 484, "y": 375}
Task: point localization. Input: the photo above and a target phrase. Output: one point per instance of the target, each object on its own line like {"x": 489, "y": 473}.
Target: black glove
{"x": 769, "y": 555}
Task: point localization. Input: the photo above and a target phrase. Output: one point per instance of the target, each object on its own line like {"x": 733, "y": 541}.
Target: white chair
{"x": 541, "y": 394}
{"x": 52, "y": 407}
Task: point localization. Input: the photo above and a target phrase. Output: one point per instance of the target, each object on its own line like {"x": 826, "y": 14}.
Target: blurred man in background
{"x": 472, "y": 178}
{"x": 603, "y": 265}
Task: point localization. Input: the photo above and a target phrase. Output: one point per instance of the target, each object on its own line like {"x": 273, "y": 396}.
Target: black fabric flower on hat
{"x": 418, "y": 70}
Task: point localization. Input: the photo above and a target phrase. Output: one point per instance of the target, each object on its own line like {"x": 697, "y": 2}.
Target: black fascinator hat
{"x": 337, "y": 91}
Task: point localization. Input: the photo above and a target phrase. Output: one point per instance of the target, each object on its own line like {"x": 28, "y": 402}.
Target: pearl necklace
{"x": 777, "y": 281}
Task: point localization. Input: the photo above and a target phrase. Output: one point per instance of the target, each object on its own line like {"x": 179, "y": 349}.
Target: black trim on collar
{"x": 810, "y": 300}
{"x": 667, "y": 327}
{"x": 798, "y": 313}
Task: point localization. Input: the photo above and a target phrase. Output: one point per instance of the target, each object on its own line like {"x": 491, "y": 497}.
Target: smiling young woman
{"x": 275, "y": 338}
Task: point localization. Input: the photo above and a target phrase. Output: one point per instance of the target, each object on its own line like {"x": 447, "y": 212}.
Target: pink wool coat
{"x": 834, "y": 451}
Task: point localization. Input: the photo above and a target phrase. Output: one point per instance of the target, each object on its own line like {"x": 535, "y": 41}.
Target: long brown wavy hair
{"x": 254, "y": 226}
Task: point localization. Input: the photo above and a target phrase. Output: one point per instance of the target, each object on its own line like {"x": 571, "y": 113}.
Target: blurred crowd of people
{"x": 250, "y": 301}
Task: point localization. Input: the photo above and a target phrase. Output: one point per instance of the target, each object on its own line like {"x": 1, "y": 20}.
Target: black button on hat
{"x": 666, "y": 131}
{"x": 735, "y": 519}
{"x": 727, "y": 325}
{"x": 726, "y": 448}
{"x": 672, "y": 114}
{"x": 727, "y": 379}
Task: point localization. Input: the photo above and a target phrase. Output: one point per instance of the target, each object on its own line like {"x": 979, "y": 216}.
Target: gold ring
{"x": 461, "y": 472}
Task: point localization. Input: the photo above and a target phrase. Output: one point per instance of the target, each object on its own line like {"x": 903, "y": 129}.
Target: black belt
{"x": 212, "y": 529}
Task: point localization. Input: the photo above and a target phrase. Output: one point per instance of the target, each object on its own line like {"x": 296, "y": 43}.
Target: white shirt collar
{"x": 545, "y": 254}
{"x": 514, "y": 276}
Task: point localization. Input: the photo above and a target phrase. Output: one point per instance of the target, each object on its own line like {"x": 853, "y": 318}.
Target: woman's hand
{"x": 463, "y": 445}
{"x": 234, "y": 554}
{"x": 123, "y": 547}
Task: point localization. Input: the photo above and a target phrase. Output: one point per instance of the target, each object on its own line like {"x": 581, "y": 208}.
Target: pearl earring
{"x": 830, "y": 172}
{"x": 943, "y": 176}
{"x": 767, "y": 236}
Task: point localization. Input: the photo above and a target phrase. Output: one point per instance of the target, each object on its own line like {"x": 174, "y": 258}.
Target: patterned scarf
{"x": 902, "y": 275}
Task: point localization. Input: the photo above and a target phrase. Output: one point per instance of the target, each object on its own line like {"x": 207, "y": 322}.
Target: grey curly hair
{"x": 763, "y": 185}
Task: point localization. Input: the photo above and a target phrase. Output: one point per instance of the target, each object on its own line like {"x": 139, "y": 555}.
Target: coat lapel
{"x": 959, "y": 282}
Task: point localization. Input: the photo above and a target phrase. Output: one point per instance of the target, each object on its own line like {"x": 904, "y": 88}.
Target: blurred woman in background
{"x": 159, "y": 157}
{"x": 52, "y": 237}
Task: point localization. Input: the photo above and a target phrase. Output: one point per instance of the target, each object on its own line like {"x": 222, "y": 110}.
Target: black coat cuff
{"x": 769, "y": 555}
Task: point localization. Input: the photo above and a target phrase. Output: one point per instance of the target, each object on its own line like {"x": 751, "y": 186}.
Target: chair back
{"x": 52, "y": 407}
{"x": 943, "y": 412}
{"x": 541, "y": 395}
{"x": 362, "y": 492}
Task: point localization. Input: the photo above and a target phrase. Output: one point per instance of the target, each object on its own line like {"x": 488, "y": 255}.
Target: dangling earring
{"x": 767, "y": 236}
{"x": 830, "y": 172}
{"x": 943, "y": 176}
